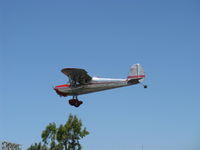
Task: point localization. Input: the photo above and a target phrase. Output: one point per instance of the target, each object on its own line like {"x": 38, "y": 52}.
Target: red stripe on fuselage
{"x": 64, "y": 85}
{"x": 68, "y": 85}
{"x": 60, "y": 89}
{"x": 139, "y": 76}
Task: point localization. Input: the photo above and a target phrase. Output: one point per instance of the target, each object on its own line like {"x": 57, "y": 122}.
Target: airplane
{"x": 82, "y": 83}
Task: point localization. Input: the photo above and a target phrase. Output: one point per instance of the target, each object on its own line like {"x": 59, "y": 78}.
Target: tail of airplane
{"x": 136, "y": 73}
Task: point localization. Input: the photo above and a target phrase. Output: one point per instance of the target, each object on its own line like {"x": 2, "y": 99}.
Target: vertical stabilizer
{"x": 136, "y": 72}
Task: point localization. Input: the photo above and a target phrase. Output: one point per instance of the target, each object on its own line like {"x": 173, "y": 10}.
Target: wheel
{"x": 72, "y": 102}
{"x": 78, "y": 103}
{"x": 145, "y": 86}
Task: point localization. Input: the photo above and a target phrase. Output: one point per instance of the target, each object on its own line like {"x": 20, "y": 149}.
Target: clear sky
{"x": 40, "y": 37}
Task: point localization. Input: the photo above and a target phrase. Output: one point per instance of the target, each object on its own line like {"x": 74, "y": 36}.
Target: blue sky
{"x": 39, "y": 38}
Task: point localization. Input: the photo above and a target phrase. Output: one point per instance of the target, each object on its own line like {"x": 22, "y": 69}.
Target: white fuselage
{"x": 95, "y": 85}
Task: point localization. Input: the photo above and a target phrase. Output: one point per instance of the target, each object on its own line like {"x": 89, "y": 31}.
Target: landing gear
{"x": 145, "y": 86}
{"x": 75, "y": 102}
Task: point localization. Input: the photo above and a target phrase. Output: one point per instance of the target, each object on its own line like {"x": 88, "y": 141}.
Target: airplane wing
{"x": 77, "y": 75}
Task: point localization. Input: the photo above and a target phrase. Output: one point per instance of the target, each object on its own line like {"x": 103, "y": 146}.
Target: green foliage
{"x": 70, "y": 133}
{"x": 49, "y": 134}
{"x": 66, "y": 136}
{"x": 38, "y": 146}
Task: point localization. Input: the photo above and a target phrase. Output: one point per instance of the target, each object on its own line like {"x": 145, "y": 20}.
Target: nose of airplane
{"x": 59, "y": 92}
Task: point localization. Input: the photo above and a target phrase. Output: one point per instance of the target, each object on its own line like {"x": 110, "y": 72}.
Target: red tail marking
{"x": 139, "y": 76}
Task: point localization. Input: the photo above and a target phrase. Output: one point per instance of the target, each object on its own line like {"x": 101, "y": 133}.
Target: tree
{"x": 66, "y": 136}
{"x": 37, "y": 147}
{"x": 69, "y": 134}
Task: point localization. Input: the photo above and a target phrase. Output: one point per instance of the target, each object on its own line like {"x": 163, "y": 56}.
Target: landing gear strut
{"x": 75, "y": 102}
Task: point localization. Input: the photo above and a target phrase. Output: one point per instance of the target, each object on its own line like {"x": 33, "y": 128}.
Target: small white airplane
{"x": 81, "y": 83}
